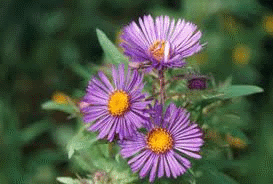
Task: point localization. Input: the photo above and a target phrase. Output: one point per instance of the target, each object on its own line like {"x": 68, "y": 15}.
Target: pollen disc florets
{"x": 157, "y": 50}
{"x": 119, "y": 103}
{"x": 159, "y": 140}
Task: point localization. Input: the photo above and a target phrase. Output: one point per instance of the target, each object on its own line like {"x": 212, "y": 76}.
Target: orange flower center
{"x": 157, "y": 50}
{"x": 159, "y": 140}
{"x": 119, "y": 103}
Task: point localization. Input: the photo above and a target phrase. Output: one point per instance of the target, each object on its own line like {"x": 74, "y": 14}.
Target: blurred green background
{"x": 42, "y": 40}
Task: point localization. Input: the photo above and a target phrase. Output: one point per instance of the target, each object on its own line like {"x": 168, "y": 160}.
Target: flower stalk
{"x": 162, "y": 86}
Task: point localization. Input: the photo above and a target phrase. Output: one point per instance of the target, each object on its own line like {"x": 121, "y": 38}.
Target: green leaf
{"x": 80, "y": 141}
{"x": 208, "y": 175}
{"x": 111, "y": 50}
{"x": 81, "y": 71}
{"x": 68, "y": 180}
{"x": 239, "y": 90}
{"x": 50, "y": 105}
{"x": 28, "y": 134}
{"x": 227, "y": 83}
{"x": 69, "y": 52}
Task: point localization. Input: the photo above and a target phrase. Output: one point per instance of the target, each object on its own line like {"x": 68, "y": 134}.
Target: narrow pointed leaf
{"x": 239, "y": 90}
{"x": 111, "y": 50}
{"x": 50, "y": 105}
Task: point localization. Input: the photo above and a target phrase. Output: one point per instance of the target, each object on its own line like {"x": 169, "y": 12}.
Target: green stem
{"x": 162, "y": 86}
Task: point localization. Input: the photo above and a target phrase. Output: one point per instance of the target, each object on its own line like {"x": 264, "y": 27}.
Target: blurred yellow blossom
{"x": 213, "y": 135}
{"x": 268, "y": 24}
{"x": 241, "y": 54}
{"x": 60, "y": 98}
{"x": 235, "y": 142}
{"x": 229, "y": 24}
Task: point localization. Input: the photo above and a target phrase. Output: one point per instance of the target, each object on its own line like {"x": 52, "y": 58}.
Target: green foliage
{"x": 30, "y": 133}
{"x": 110, "y": 50}
{"x": 240, "y": 90}
{"x": 81, "y": 140}
{"x": 209, "y": 175}
{"x": 68, "y": 180}
{"x": 83, "y": 72}
{"x": 67, "y": 108}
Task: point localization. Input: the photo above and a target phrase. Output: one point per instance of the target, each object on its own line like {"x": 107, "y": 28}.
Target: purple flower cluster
{"x": 118, "y": 107}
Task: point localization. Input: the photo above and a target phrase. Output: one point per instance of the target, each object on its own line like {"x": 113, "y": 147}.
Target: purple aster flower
{"x": 159, "y": 151}
{"x": 163, "y": 42}
{"x": 117, "y": 108}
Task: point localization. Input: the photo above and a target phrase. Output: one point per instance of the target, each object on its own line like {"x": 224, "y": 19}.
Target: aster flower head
{"x": 163, "y": 42}
{"x": 117, "y": 108}
{"x": 159, "y": 151}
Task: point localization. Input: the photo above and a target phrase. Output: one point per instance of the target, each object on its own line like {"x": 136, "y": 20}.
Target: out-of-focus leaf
{"x": 227, "y": 83}
{"x": 80, "y": 141}
{"x": 123, "y": 177}
{"x": 239, "y": 90}
{"x": 52, "y": 22}
{"x": 84, "y": 72}
{"x": 212, "y": 152}
{"x": 50, "y": 105}
{"x": 104, "y": 148}
{"x": 84, "y": 162}
{"x": 207, "y": 175}
{"x": 70, "y": 53}
{"x": 34, "y": 130}
{"x": 111, "y": 50}
{"x": 67, "y": 180}
{"x": 233, "y": 120}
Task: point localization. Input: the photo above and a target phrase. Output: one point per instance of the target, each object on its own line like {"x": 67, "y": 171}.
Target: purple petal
{"x": 147, "y": 166}
{"x": 154, "y": 169}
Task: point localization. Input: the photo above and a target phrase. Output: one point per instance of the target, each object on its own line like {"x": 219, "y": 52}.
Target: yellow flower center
{"x": 119, "y": 103}
{"x": 159, "y": 140}
{"x": 157, "y": 50}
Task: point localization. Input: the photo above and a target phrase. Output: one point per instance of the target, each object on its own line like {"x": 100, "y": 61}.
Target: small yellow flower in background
{"x": 235, "y": 142}
{"x": 241, "y": 54}
{"x": 60, "y": 98}
{"x": 268, "y": 24}
{"x": 229, "y": 24}
{"x": 213, "y": 135}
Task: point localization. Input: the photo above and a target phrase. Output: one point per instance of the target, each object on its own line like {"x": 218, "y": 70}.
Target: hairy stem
{"x": 162, "y": 86}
